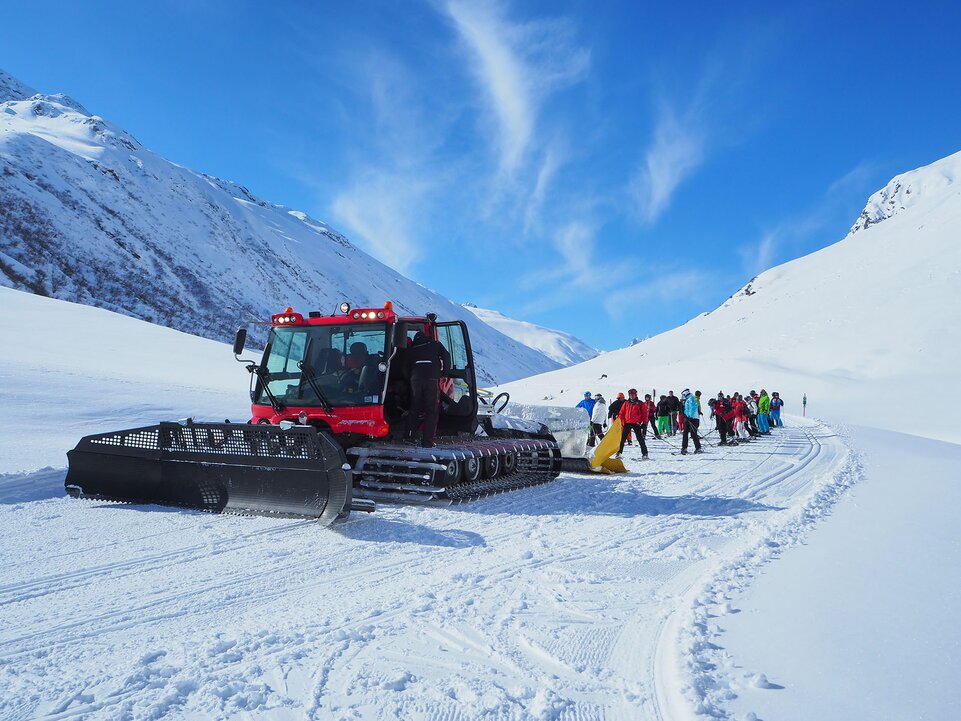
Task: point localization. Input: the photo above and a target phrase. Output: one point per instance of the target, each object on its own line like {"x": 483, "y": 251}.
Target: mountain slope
{"x": 869, "y": 328}
{"x": 88, "y": 214}
{"x": 555, "y": 344}
{"x": 13, "y": 89}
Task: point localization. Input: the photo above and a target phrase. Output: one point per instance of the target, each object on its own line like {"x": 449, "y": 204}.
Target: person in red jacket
{"x": 739, "y": 408}
{"x": 633, "y": 415}
{"x": 651, "y": 414}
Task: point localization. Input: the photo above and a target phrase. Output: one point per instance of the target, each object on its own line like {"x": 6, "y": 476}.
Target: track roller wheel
{"x": 509, "y": 463}
{"x": 472, "y": 469}
{"x": 452, "y": 472}
{"x": 492, "y": 466}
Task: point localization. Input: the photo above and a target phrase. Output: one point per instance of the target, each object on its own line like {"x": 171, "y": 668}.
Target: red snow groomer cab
{"x": 330, "y": 403}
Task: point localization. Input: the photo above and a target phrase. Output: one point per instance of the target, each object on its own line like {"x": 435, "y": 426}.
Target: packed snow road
{"x": 579, "y": 599}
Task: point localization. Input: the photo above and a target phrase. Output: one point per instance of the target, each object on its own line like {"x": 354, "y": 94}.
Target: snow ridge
{"x": 908, "y": 189}
{"x": 561, "y": 347}
{"x": 88, "y": 215}
{"x": 13, "y": 89}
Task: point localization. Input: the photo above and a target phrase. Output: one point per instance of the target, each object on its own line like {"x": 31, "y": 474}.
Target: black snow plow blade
{"x": 218, "y": 467}
{"x": 576, "y": 465}
{"x": 455, "y": 470}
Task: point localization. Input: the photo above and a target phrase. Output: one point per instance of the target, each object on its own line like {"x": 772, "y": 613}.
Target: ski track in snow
{"x": 593, "y": 597}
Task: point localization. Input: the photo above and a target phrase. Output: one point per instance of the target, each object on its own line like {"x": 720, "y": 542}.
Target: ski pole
{"x": 667, "y": 442}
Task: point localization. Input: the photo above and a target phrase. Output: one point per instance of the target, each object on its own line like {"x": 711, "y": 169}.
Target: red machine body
{"x": 310, "y": 359}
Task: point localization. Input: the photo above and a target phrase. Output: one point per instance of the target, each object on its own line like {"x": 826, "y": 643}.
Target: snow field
{"x": 709, "y": 690}
{"x": 102, "y": 371}
{"x": 860, "y": 622}
{"x": 578, "y": 599}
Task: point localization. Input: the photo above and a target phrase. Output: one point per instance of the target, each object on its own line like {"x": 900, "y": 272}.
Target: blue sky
{"x": 610, "y": 169}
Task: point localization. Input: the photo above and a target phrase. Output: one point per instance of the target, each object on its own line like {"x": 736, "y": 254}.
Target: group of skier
{"x": 736, "y": 417}
{"x": 740, "y": 418}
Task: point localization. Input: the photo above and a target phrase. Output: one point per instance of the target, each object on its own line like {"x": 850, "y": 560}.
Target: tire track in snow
{"x": 58, "y": 583}
{"x": 562, "y": 576}
{"x": 681, "y": 678}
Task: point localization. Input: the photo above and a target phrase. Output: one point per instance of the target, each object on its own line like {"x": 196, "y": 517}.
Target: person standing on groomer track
{"x": 426, "y": 359}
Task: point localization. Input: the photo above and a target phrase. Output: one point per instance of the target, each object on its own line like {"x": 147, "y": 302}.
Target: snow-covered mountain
{"x": 87, "y": 214}
{"x": 555, "y": 344}
{"x": 13, "y": 89}
{"x": 868, "y": 328}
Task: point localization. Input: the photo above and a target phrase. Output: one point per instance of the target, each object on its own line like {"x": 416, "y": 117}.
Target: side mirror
{"x": 240, "y": 341}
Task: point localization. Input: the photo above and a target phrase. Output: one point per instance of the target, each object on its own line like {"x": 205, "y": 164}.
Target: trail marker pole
{"x": 804, "y": 404}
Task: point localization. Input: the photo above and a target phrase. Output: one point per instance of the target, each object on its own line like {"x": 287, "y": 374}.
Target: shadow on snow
{"x": 374, "y": 528}
{"x": 37, "y": 486}
{"x": 586, "y": 496}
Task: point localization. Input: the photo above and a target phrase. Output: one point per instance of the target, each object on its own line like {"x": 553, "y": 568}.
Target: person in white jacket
{"x": 599, "y": 416}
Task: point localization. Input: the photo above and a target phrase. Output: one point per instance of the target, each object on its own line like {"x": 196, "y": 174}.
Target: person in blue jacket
{"x": 691, "y": 421}
{"x": 588, "y": 405}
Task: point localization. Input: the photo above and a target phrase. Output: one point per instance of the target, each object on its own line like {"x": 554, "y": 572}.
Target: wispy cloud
{"x": 552, "y": 285}
{"x": 788, "y": 235}
{"x": 691, "y": 285}
{"x": 380, "y": 209}
{"x": 554, "y": 159}
{"x": 696, "y": 115}
{"x": 853, "y": 180}
{"x": 676, "y": 150}
{"x": 760, "y": 256}
{"x": 517, "y": 65}
{"x": 575, "y": 243}
{"x": 394, "y": 171}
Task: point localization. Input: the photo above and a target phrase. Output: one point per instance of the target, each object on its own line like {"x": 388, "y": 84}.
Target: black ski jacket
{"x": 615, "y": 408}
{"x": 426, "y": 358}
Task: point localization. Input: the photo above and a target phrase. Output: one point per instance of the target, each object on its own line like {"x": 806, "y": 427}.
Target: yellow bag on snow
{"x": 602, "y": 461}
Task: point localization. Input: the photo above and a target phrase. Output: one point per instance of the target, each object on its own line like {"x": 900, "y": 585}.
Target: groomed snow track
{"x": 588, "y": 598}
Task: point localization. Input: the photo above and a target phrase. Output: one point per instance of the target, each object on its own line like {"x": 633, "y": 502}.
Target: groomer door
{"x": 458, "y": 398}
